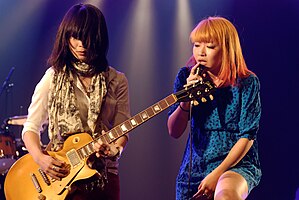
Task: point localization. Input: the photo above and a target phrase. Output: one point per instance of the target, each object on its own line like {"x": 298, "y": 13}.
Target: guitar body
{"x": 19, "y": 182}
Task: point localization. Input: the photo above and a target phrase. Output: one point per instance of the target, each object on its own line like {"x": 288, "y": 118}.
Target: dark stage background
{"x": 149, "y": 42}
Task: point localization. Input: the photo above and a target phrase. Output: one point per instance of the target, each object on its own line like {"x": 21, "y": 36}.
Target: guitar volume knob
{"x": 41, "y": 197}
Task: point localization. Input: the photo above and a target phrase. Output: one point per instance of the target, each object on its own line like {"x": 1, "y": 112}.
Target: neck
{"x": 83, "y": 69}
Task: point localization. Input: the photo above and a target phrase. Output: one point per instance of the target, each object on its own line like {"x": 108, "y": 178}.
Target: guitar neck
{"x": 197, "y": 90}
{"x": 137, "y": 120}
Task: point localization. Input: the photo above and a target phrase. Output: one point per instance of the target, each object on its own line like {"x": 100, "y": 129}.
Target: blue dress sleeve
{"x": 179, "y": 82}
{"x": 250, "y": 108}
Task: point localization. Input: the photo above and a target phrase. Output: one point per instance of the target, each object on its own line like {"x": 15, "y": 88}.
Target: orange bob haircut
{"x": 222, "y": 32}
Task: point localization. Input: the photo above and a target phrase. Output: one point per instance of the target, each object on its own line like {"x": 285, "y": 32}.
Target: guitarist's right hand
{"x": 53, "y": 167}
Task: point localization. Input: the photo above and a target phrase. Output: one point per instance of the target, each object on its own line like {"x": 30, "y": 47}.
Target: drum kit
{"x": 11, "y": 147}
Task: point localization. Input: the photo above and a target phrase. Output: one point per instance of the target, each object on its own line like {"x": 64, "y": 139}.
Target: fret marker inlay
{"x": 124, "y": 128}
{"x": 133, "y": 122}
{"x": 157, "y": 108}
{"x": 111, "y": 135}
{"x": 144, "y": 115}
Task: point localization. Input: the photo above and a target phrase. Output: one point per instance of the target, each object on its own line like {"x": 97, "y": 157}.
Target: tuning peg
{"x": 211, "y": 97}
{"x": 203, "y": 99}
{"x": 195, "y": 103}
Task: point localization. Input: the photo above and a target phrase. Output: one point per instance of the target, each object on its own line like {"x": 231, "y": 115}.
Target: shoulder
{"x": 251, "y": 81}
{"x": 49, "y": 72}
{"x": 112, "y": 71}
{"x": 44, "y": 84}
{"x": 183, "y": 74}
{"x": 47, "y": 77}
{"x": 181, "y": 77}
{"x": 250, "y": 86}
{"x": 184, "y": 71}
{"x": 114, "y": 75}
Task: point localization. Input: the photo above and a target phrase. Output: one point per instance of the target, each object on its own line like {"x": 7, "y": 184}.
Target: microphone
{"x": 200, "y": 69}
{"x": 9, "y": 75}
{"x": 197, "y": 70}
{"x": 4, "y": 85}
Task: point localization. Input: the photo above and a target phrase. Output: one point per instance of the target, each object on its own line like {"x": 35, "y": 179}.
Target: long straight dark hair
{"x": 87, "y": 23}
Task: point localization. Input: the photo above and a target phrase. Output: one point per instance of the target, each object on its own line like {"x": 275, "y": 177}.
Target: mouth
{"x": 81, "y": 53}
{"x": 202, "y": 62}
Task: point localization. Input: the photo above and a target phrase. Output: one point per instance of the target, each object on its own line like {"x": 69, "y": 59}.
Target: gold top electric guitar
{"x": 26, "y": 181}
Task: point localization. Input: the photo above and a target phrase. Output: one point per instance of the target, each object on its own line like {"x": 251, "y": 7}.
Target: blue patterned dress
{"x": 215, "y": 127}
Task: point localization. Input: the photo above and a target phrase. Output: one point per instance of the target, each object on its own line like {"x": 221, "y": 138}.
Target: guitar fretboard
{"x": 129, "y": 124}
{"x": 138, "y": 119}
{"x": 198, "y": 90}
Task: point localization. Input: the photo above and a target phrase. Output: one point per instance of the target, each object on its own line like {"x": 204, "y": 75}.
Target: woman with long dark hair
{"x": 80, "y": 93}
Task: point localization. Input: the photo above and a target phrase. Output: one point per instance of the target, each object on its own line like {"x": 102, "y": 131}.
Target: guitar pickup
{"x": 45, "y": 178}
{"x": 73, "y": 158}
{"x": 36, "y": 183}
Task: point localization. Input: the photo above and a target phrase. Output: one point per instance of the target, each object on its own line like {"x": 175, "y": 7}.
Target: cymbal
{"x": 17, "y": 120}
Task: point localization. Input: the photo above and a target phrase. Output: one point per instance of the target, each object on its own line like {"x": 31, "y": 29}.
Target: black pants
{"x": 111, "y": 190}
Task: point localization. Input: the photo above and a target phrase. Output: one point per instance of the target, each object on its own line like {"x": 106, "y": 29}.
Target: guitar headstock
{"x": 199, "y": 90}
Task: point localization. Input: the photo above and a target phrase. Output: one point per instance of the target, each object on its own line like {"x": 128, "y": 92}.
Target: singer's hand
{"x": 194, "y": 75}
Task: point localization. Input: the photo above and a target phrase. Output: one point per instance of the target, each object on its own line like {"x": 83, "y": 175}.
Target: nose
{"x": 80, "y": 44}
{"x": 202, "y": 51}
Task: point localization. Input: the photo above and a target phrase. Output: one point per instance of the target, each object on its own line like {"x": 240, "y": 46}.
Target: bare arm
{"x": 32, "y": 143}
{"x": 178, "y": 120}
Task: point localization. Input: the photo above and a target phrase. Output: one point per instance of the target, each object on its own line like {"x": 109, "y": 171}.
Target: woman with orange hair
{"x": 221, "y": 158}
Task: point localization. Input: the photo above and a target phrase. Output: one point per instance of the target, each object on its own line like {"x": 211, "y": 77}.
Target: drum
{"x": 7, "y": 152}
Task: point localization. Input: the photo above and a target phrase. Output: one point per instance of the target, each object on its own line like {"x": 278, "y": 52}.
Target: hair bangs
{"x": 86, "y": 23}
{"x": 205, "y": 32}
{"x": 81, "y": 26}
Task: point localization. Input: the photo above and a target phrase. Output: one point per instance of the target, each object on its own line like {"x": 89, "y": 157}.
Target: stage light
{"x": 182, "y": 29}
